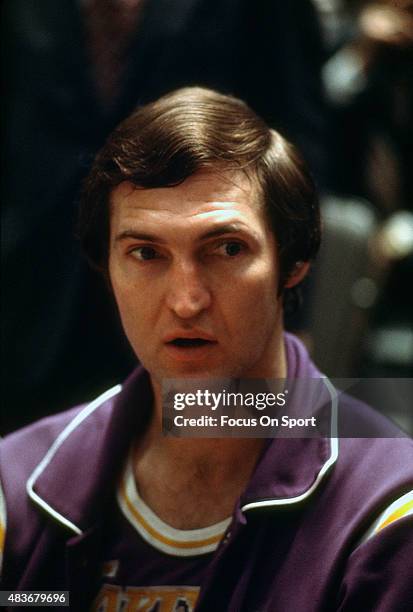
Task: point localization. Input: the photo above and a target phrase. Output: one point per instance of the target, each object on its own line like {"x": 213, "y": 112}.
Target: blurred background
{"x": 334, "y": 76}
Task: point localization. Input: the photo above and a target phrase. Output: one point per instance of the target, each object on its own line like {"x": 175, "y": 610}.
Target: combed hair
{"x": 193, "y": 129}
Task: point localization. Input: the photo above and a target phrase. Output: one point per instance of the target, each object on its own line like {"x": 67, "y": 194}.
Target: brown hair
{"x": 191, "y": 129}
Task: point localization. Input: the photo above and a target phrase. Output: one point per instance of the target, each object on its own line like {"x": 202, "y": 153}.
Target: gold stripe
{"x": 399, "y": 513}
{"x": 2, "y": 536}
{"x": 159, "y": 536}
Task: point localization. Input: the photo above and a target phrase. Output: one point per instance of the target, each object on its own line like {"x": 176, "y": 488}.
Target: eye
{"x": 232, "y": 248}
{"x": 145, "y": 253}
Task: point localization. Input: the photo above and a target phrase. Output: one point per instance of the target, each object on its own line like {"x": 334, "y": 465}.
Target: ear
{"x": 298, "y": 273}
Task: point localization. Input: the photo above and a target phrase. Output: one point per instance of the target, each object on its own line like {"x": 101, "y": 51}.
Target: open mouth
{"x": 189, "y": 342}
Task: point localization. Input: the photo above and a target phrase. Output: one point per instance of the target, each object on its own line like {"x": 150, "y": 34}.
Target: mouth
{"x": 190, "y": 349}
{"x": 189, "y": 342}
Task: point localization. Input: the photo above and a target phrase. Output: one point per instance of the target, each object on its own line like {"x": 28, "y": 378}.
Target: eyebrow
{"x": 229, "y": 228}
{"x": 137, "y": 236}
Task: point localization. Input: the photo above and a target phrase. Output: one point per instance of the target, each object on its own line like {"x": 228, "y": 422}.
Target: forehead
{"x": 203, "y": 199}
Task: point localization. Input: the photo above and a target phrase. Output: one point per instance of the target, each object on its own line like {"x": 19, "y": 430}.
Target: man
{"x": 202, "y": 220}
{"x": 72, "y": 70}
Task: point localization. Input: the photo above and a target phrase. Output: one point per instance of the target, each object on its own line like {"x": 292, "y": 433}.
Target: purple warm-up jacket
{"x": 296, "y": 541}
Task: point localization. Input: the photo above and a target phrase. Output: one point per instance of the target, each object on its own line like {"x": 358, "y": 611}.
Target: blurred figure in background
{"x": 369, "y": 83}
{"x": 72, "y": 71}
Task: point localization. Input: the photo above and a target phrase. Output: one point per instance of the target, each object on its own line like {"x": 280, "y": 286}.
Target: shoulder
{"x": 372, "y": 471}
{"x": 21, "y": 451}
{"x": 375, "y": 457}
{"x": 370, "y": 477}
{"x": 368, "y": 497}
{"x": 32, "y": 450}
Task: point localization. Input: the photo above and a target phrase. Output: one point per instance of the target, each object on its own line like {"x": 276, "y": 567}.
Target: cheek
{"x": 132, "y": 309}
{"x": 261, "y": 284}
{"x": 265, "y": 307}
{"x": 252, "y": 299}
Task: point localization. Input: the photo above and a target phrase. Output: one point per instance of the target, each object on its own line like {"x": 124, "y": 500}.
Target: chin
{"x": 191, "y": 370}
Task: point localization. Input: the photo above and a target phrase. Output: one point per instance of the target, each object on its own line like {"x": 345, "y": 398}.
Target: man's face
{"x": 194, "y": 272}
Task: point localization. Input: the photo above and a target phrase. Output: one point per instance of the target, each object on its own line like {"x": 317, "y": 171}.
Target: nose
{"x": 188, "y": 294}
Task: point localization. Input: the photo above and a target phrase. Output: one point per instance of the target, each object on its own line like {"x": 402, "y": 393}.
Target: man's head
{"x": 201, "y": 216}
{"x": 195, "y": 129}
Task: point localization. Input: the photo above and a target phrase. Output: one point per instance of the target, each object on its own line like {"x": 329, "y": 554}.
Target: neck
{"x": 203, "y": 474}
{"x": 193, "y": 483}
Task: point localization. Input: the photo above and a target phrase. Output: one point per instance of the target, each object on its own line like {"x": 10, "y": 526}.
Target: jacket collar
{"x": 74, "y": 494}
{"x": 291, "y": 469}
